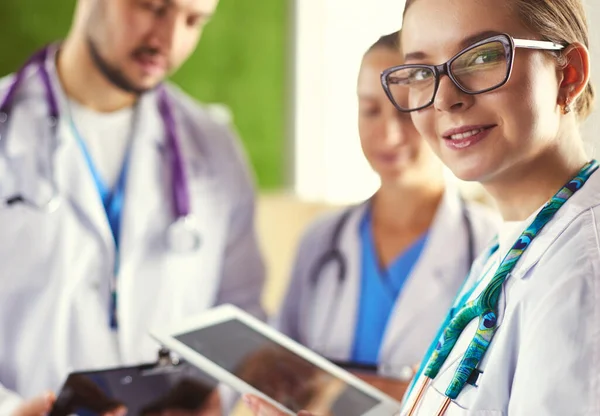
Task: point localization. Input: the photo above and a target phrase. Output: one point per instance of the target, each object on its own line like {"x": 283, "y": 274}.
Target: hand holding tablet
{"x": 260, "y": 407}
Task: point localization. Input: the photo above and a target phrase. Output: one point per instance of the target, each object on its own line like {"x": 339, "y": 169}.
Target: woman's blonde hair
{"x": 560, "y": 21}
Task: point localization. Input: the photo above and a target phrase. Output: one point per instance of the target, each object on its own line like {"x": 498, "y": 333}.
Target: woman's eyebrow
{"x": 464, "y": 43}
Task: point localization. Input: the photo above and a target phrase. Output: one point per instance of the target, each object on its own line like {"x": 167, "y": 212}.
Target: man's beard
{"x": 113, "y": 74}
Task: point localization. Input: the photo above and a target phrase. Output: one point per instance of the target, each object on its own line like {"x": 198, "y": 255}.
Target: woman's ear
{"x": 575, "y": 74}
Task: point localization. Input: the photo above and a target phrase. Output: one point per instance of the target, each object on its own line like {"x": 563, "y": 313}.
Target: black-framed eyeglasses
{"x": 482, "y": 67}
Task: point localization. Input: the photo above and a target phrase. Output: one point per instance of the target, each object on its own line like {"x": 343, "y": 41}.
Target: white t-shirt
{"x": 106, "y": 136}
{"x": 508, "y": 233}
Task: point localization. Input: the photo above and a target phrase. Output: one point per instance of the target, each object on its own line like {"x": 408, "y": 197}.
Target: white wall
{"x": 331, "y": 36}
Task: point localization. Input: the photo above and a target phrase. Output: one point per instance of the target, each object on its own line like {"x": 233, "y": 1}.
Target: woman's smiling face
{"x": 504, "y": 127}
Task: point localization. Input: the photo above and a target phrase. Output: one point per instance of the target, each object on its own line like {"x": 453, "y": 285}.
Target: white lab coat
{"x": 55, "y": 267}
{"x": 323, "y": 316}
{"x": 545, "y": 356}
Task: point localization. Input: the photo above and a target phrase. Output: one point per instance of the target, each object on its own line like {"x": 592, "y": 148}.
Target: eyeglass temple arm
{"x": 537, "y": 44}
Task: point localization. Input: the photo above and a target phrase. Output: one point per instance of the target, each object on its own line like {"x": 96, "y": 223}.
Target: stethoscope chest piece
{"x": 183, "y": 235}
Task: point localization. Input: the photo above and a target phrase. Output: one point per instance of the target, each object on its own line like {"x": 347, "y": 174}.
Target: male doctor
{"x": 130, "y": 208}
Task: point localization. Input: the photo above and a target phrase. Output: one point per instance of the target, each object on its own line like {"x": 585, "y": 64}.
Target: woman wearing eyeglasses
{"x": 372, "y": 282}
{"x": 498, "y": 89}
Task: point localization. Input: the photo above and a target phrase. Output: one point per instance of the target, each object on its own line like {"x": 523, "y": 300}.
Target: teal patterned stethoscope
{"x": 485, "y": 305}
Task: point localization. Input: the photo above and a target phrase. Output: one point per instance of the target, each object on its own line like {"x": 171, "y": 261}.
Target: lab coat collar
{"x": 581, "y": 201}
{"x": 154, "y": 133}
{"x": 71, "y": 171}
{"x": 22, "y": 136}
{"x": 449, "y": 221}
{"x": 147, "y": 164}
{"x": 33, "y": 88}
{"x": 31, "y": 137}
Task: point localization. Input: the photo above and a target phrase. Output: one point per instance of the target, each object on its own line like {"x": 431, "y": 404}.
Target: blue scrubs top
{"x": 378, "y": 292}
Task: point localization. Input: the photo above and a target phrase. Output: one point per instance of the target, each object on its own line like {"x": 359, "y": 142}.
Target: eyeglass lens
{"x": 475, "y": 70}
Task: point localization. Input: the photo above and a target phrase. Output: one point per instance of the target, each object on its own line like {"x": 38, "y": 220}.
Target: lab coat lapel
{"x": 572, "y": 208}
{"x": 145, "y": 214}
{"x": 22, "y": 138}
{"x": 73, "y": 176}
{"x": 430, "y": 278}
{"x": 148, "y": 211}
{"x": 146, "y": 203}
{"x": 75, "y": 181}
{"x": 62, "y": 162}
{"x": 335, "y": 320}
{"x": 65, "y": 161}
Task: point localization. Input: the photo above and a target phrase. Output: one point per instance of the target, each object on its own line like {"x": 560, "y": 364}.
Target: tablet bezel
{"x": 135, "y": 372}
{"x": 387, "y": 405}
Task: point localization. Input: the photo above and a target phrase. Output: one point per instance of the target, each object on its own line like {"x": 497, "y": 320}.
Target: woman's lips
{"x": 466, "y": 136}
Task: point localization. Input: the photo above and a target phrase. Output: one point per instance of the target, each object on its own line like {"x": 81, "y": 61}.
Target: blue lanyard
{"x": 112, "y": 201}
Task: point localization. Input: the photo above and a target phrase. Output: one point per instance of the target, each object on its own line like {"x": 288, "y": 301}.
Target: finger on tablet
{"x": 262, "y": 408}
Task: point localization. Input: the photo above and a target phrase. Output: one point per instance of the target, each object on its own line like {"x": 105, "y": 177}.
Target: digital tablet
{"x": 251, "y": 357}
{"x": 145, "y": 390}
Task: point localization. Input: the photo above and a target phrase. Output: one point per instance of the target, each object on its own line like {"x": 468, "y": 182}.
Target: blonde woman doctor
{"x": 372, "y": 283}
{"x": 523, "y": 336}
{"x": 124, "y": 204}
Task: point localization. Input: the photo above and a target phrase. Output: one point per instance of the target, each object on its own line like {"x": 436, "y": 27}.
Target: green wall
{"x": 240, "y": 62}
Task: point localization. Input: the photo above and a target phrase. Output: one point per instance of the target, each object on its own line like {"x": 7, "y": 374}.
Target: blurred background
{"x": 286, "y": 70}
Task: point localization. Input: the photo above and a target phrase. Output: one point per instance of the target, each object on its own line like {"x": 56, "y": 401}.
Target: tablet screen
{"x": 276, "y": 371}
{"x": 139, "y": 391}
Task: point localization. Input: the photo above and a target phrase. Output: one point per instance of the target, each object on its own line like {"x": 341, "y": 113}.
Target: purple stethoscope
{"x": 182, "y": 234}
